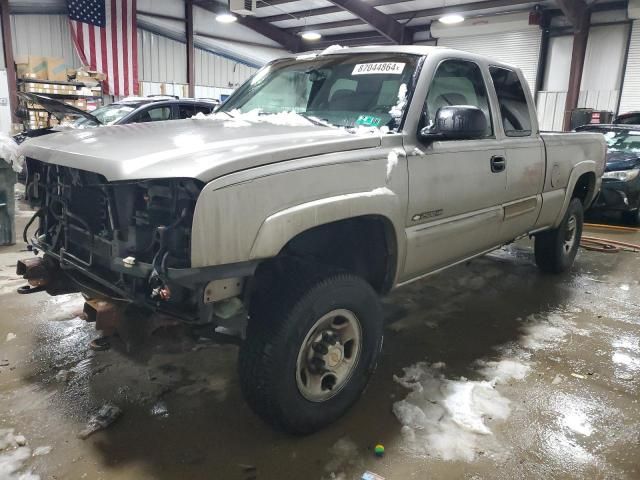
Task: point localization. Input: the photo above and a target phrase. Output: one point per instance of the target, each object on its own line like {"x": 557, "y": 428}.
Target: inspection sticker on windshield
{"x": 392, "y": 68}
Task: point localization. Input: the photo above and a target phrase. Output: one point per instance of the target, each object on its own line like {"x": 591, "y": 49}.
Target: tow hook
{"x": 36, "y": 272}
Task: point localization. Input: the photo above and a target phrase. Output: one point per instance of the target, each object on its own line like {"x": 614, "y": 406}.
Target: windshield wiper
{"x": 316, "y": 120}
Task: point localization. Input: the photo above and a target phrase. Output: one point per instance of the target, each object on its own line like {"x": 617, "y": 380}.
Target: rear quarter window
{"x": 514, "y": 109}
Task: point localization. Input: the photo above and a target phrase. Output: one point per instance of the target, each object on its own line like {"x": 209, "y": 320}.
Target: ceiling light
{"x": 226, "y": 18}
{"x": 311, "y": 35}
{"x": 451, "y": 19}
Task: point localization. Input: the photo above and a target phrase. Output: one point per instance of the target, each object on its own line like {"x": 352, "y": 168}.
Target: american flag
{"x": 105, "y": 36}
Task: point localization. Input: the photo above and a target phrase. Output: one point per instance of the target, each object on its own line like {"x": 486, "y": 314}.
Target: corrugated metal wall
{"x": 163, "y": 60}
{"x": 216, "y": 71}
{"x": 521, "y": 48}
{"x": 43, "y": 35}
{"x": 630, "y": 100}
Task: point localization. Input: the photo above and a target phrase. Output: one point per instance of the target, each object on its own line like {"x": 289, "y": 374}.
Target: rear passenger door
{"x": 524, "y": 153}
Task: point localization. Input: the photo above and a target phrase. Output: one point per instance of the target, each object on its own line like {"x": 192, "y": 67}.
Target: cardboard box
{"x": 57, "y": 69}
{"x": 86, "y": 79}
{"x": 34, "y": 66}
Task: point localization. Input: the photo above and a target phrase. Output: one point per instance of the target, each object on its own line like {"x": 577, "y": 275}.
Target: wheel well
{"x": 584, "y": 189}
{"x": 365, "y": 246}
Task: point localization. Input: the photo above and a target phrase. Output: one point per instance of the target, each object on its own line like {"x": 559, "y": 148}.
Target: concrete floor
{"x": 489, "y": 370}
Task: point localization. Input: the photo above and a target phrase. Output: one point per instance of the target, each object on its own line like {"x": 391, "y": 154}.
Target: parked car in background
{"x": 621, "y": 180}
{"x": 630, "y": 118}
{"x": 129, "y": 110}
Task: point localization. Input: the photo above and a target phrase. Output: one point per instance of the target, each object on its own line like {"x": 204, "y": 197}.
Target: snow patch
{"x": 9, "y": 152}
{"x": 444, "y": 417}
{"x": 539, "y": 333}
{"x": 13, "y": 457}
{"x": 398, "y": 109}
{"x": 392, "y": 163}
{"x": 344, "y": 455}
{"x": 331, "y": 49}
{"x": 10, "y": 336}
{"x": 235, "y": 118}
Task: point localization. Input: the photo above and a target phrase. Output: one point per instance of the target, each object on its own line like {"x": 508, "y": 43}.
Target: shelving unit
{"x": 78, "y": 94}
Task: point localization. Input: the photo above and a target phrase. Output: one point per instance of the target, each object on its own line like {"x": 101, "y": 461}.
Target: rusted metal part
{"x": 35, "y": 271}
{"x": 106, "y": 315}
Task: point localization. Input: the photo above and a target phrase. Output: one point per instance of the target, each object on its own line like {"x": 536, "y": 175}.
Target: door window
{"x": 514, "y": 109}
{"x": 457, "y": 82}
{"x": 155, "y": 114}
{"x": 204, "y": 109}
{"x": 186, "y": 110}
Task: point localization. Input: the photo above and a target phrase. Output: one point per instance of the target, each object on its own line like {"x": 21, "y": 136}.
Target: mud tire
{"x": 291, "y": 297}
{"x": 552, "y": 251}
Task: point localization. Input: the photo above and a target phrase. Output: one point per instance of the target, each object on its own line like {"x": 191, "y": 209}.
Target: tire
{"x": 274, "y": 358}
{"x": 555, "y": 252}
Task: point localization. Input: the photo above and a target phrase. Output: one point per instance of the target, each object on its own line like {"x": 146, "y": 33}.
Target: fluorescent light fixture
{"x": 311, "y": 35}
{"x": 451, "y": 19}
{"x": 226, "y": 18}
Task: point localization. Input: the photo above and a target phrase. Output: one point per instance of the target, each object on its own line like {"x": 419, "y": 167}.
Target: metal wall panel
{"x": 630, "y": 100}
{"x": 161, "y": 59}
{"x": 215, "y": 71}
{"x": 43, "y": 35}
{"x": 520, "y": 48}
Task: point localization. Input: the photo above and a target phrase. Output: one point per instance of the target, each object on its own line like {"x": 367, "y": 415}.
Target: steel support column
{"x": 191, "y": 71}
{"x": 8, "y": 57}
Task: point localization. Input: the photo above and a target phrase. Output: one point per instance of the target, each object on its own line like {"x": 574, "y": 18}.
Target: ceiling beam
{"x": 386, "y": 25}
{"x": 290, "y": 42}
{"x": 429, "y": 12}
{"x": 574, "y": 10}
{"x": 321, "y": 11}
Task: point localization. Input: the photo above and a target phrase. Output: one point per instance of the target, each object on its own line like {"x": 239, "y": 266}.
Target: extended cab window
{"x": 457, "y": 82}
{"x": 514, "y": 109}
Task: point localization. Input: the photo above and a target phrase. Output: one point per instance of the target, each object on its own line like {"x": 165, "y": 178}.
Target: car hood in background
{"x": 196, "y": 148}
{"x": 57, "y": 108}
{"x": 621, "y": 161}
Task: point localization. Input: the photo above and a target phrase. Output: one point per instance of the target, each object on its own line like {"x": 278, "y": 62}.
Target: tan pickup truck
{"x": 323, "y": 182}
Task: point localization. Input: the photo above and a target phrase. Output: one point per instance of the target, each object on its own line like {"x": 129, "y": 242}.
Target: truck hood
{"x": 621, "y": 161}
{"x": 195, "y": 148}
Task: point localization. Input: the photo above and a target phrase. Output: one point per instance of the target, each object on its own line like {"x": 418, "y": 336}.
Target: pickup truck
{"x": 323, "y": 182}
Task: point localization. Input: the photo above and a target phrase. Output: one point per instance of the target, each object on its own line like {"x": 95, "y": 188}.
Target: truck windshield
{"x": 343, "y": 90}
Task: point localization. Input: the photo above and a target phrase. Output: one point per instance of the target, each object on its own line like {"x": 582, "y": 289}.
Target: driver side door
{"x": 456, "y": 187}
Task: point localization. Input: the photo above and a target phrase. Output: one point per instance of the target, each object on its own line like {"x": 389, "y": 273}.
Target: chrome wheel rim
{"x": 570, "y": 234}
{"x": 329, "y": 355}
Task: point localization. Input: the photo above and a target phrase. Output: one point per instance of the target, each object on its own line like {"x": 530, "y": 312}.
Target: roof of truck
{"x": 406, "y": 49}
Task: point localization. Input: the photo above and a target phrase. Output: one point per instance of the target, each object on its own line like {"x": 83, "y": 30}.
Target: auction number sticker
{"x": 393, "y": 68}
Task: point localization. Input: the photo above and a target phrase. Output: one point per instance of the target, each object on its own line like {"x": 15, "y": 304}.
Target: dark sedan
{"x": 621, "y": 180}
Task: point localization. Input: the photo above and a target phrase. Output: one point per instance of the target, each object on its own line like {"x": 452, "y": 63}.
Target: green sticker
{"x": 368, "y": 120}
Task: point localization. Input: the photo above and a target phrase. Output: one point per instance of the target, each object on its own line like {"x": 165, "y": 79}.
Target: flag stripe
{"x": 105, "y": 36}
{"x": 125, "y": 49}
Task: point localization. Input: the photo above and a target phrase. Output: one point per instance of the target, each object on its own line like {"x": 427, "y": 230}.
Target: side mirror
{"x": 459, "y": 122}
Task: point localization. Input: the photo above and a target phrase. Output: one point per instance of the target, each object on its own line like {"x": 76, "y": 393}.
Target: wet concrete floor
{"x": 489, "y": 370}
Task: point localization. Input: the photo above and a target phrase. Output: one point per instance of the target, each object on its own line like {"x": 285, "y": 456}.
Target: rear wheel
{"x": 312, "y": 344}
{"x": 556, "y": 250}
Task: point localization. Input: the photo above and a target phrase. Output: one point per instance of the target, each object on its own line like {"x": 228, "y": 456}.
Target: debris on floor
{"x": 379, "y": 450}
{"x": 11, "y": 336}
{"x": 45, "y": 450}
{"x": 107, "y": 414}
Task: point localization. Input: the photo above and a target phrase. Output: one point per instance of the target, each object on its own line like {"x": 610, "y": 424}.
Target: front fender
{"x": 278, "y": 229}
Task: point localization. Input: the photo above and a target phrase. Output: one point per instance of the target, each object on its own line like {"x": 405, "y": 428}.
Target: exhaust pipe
{"x": 107, "y": 315}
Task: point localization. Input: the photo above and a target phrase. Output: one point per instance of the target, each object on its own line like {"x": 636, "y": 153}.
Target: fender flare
{"x": 278, "y": 229}
{"x": 586, "y": 166}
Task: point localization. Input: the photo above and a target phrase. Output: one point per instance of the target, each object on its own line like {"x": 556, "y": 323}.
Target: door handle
{"x": 498, "y": 164}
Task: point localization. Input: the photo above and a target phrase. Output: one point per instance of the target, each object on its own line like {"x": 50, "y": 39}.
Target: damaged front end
{"x": 127, "y": 242}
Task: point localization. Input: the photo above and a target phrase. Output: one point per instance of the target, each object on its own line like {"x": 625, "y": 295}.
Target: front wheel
{"x": 556, "y": 250}
{"x": 310, "y": 349}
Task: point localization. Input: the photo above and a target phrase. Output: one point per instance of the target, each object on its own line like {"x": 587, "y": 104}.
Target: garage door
{"x": 630, "y": 100}
{"x": 519, "y": 48}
